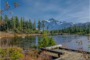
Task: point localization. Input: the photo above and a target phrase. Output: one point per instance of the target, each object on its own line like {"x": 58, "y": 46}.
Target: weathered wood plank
{"x": 53, "y": 51}
{"x": 53, "y": 47}
{"x": 74, "y": 50}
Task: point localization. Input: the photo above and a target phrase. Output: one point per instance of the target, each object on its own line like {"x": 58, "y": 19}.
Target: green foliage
{"x": 39, "y": 25}
{"x": 21, "y": 25}
{"x": 82, "y": 30}
{"x": 24, "y": 26}
{"x": 11, "y": 54}
{"x": 34, "y": 25}
{"x": 46, "y": 41}
{"x": 1, "y": 18}
{"x": 17, "y": 25}
{"x": 30, "y": 24}
{"x": 43, "y": 25}
{"x": 46, "y": 32}
{"x": 2, "y": 53}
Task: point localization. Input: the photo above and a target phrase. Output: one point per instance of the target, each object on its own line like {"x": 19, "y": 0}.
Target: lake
{"x": 76, "y": 42}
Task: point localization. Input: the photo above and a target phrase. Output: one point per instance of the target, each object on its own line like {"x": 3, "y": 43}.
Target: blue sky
{"x": 63, "y": 10}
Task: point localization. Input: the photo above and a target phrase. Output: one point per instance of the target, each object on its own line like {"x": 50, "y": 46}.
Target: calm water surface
{"x": 69, "y": 41}
{"x": 74, "y": 42}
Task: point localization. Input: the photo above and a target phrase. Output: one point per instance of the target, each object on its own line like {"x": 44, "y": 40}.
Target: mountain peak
{"x": 53, "y": 20}
{"x": 56, "y": 25}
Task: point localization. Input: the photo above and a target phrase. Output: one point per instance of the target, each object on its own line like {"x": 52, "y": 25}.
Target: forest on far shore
{"x": 20, "y": 25}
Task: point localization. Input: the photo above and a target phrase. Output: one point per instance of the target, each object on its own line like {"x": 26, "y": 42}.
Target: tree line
{"x": 20, "y": 25}
{"x": 85, "y": 29}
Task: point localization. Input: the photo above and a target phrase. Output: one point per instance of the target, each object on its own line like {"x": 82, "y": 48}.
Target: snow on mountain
{"x": 53, "y": 24}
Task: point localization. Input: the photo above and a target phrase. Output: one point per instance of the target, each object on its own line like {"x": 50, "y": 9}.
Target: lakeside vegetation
{"x": 15, "y": 26}
{"x": 22, "y": 39}
{"x": 46, "y": 42}
{"x": 25, "y": 52}
{"x": 20, "y": 25}
{"x": 80, "y": 30}
{"x": 16, "y": 53}
{"x": 11, "y": 53}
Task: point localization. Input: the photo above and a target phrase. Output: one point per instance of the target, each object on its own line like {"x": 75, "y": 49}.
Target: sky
{"x": 76, "y": 11}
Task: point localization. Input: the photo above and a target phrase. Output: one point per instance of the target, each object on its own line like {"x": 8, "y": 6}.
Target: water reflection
{"x": 74, "y": 42}
{"x": 27, "y": 42}
{"x": 69, "y": 41}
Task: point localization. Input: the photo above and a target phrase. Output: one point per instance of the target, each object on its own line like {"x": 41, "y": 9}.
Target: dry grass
{"x": 69, "y": 55}
{"x": 11, "y": 35}
{"x": 33, "y": 55}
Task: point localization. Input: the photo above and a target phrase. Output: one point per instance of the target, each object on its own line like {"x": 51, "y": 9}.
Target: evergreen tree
{"x": 1, "y": 18}
{"x": 39, "y": 25}
{"x": 6, "y": 19}
{"x": 43, "y": 25}
{"x": 11, "y": 23}
{"x": 30, "y": 24}
{"x": 21, "y": 24}
{"x": 16, "y": 22}
{"x": 34, "y": 25}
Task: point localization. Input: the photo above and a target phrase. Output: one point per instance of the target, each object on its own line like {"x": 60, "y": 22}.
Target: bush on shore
{"x": 13, "y": 53}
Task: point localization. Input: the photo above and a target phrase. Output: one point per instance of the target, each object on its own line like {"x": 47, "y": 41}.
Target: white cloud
{"x": 64, "y": 10}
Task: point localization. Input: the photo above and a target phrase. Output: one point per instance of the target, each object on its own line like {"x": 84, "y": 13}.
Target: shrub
{"x": 11, "y": 54}
{"x": 46, "y": 41}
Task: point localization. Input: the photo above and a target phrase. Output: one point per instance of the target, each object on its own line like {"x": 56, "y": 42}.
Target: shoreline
{"x": 12, "y": 35}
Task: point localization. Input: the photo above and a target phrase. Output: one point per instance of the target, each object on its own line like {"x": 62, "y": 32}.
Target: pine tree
{"x": 30, "y": 24}
{"x": 16, "y": 22}
{"x": 43, "y": 25}
{"x": 6, "y": 19}
{"x": 39, "y": 25}
{"x": 34, "y": 25}
{"x": 1, "y": 18}
{"x": 12, "y": 23}
{"x": 21, "y": 24}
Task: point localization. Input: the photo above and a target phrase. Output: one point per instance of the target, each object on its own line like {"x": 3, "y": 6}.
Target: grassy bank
{"x": 11, "y": 35}
{"x": 16, "y": 53}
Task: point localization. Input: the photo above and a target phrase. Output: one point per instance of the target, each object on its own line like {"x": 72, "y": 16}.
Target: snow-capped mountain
{"x": 53, "y": 24}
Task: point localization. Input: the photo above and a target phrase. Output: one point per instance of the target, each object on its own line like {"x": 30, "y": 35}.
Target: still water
{"x": 76, "y": 42}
